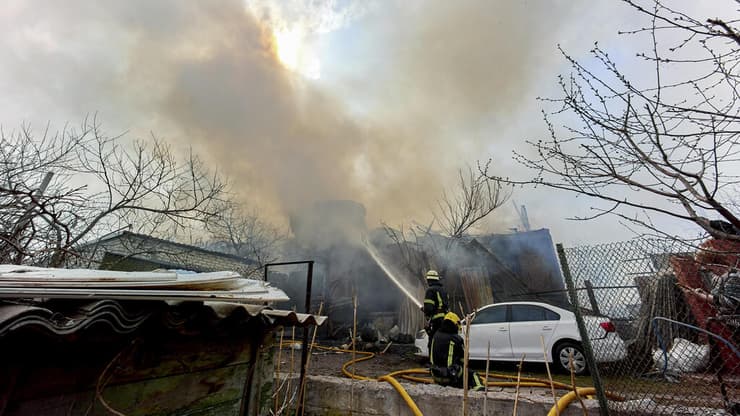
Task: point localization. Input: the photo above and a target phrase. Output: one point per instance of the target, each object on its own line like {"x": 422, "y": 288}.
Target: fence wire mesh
{"x": 674, "y": 309}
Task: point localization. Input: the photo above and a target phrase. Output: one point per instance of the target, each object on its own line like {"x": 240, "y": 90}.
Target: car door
{"x": 490, "y": 324}
{"x": 528, "y": 326}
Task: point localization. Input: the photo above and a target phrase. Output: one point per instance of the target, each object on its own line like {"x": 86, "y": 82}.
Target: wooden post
{"x": 488, "y": 362}
{"x": 466, "y": 352}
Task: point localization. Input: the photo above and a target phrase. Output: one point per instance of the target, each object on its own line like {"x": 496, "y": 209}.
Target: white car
{"x": 516, "y": 329}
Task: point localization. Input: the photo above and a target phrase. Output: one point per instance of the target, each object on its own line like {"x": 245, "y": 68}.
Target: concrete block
{"x": 341, "y": 396}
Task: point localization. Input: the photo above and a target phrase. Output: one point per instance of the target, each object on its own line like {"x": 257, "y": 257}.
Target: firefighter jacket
{"x": 447, "y": 347}
{"x": 435, "y": 301}
{"x": 447, "y": 357}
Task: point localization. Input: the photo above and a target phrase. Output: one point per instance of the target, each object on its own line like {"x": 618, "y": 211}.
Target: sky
{"x": 297, "y": 101}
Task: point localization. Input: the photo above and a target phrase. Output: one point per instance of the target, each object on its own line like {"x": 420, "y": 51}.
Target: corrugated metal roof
{"x": 124, "y": 317}
{"x": 163, "y": 242}
{"x": 277, "y": 316}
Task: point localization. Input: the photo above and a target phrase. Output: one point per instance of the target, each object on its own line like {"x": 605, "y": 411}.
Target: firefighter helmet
{"x": 452, "y": 317}
{"x": 432, "y": 275}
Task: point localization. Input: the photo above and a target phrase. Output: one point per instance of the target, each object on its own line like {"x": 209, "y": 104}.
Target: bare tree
{"x": 475, "y": 197}
{"x": 667, "y": 146}
{"x": 92, "y": 184}
{"x": 421, "y": 247}
{"x": 244, "y": 233}
{"x": 413, "y": 252}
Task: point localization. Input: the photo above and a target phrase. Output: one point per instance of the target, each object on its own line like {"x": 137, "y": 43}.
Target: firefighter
{"x": 447, "y": 355}
{"x": 435, "y": 305}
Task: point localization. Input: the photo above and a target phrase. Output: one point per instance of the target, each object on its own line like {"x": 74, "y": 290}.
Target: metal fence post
{"x": 304, "y": 350}
{"x": 591, "y": 296}
{"x": 585, "y": 341}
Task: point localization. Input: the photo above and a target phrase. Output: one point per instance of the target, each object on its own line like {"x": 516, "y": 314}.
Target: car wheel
{"x": 562, "y": 358}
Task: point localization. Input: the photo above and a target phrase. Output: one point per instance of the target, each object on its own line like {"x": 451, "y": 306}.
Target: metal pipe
{"x": 304, "y": 351}
{"x": 286, "y": 263}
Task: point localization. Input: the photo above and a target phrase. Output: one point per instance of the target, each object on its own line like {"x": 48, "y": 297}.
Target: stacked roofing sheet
{"x": 123, "y": 301}
{"x": 38, "y": 282}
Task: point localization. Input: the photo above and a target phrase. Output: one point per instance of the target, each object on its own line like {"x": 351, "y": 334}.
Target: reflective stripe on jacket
{"x": 435, "y": 301}
{"x": 447, "y": 348}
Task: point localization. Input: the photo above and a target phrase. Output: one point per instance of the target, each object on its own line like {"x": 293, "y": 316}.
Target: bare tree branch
{"x": 665, "y": 147}
{"x": 98, "y": 184}
{"x": 236, "y": 231}
{"x": 475, "y": 197}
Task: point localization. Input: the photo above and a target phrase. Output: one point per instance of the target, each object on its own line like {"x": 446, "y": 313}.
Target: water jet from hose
{"x": 374, "y": 254}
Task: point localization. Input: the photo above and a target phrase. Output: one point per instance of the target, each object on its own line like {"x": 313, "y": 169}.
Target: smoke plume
{"x": 417, "y": 89}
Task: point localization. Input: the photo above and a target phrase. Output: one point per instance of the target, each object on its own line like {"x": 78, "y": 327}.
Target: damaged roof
{"x": 125, "y": 317}
{"x": 67, "y": 301}
{"x": 126, "y": 250}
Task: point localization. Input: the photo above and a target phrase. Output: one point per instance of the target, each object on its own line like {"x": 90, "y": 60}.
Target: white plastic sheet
{"x": 683, "y": 357}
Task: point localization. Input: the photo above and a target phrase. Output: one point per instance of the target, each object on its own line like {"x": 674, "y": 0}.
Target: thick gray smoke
{"x": 423, "y": 89}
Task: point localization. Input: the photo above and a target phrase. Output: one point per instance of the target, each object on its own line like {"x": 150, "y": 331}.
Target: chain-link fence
{"x": 674, "y": 308}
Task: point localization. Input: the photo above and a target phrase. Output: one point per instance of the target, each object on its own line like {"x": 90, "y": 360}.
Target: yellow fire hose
{"x": 409, "y": 401}
{"x": 388, "y": 377}
{"x": 562, "y": 403}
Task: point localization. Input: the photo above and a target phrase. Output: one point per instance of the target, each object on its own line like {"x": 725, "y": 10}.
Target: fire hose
{"x": 390, "y": 378}
{"x": 571, "y": 396}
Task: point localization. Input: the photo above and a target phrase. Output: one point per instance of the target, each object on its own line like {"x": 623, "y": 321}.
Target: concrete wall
{"x": 341, "y": 396}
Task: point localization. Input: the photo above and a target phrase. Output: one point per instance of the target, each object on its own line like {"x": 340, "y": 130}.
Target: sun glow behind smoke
{"x": 298, "y": 26}
{"x": 296, "y": 53}
{"x": 287, "y": 47}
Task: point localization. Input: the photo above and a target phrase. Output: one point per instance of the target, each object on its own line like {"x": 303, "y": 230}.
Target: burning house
{"x": 335, "y": 235}
{"x": 385, "y": 274}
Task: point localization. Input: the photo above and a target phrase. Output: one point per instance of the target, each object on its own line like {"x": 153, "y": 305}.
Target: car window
{"x": 551, "y": 316}
{"x": 491, "y": 315}
{"x": 524, "y": 313}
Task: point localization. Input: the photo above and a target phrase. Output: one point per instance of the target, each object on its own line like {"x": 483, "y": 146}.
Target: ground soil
{"x": 329, "y": 363}
{"x": 398, "y": 357}
{"x": 401, "y": 357}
